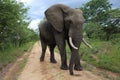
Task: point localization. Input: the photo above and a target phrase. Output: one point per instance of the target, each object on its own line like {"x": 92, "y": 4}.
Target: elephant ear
{"x": 55, "y": 16}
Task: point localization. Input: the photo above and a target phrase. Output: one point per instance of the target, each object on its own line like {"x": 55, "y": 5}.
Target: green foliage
{"x": 103, "y": 55}
{"x": 23, "y": 63}
{"x": 93, "y": 30}
{"x": 107, "y": 19}
{"x": 96, "y": 10}
{"x": 13, "y": 24}
{"x": 112, "y": 24}
{"x": 11, "y": 54}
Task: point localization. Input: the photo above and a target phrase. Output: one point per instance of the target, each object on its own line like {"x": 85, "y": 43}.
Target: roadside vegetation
{"x": 10, "y": 55}
{"x": 15, "y": 36}
{"x": 104, "y": 55}
{"x": 102, "y": 29}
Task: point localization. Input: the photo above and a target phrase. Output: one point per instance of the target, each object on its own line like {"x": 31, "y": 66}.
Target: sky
{"x": 37, "y": 8}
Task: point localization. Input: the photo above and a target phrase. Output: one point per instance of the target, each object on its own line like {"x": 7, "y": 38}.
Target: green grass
{"x": 107, "y": 55}
{"x": 23, "y": 63}
{"x": 11, "y": 54}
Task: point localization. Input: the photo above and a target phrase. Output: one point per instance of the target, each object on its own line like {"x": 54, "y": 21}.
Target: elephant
{"x": 63, "y": 24}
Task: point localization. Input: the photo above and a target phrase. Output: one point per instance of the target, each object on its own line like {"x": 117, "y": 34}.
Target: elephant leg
{"x": 71, "y": 63}
{"x": 77, "y": 66}
{"x": 60, "y": 41}
{"x": 75, "y": 59}
{"x": 63, "y": 57}
{"x": 44, "y": 45}
{"x": 52, "y": 57}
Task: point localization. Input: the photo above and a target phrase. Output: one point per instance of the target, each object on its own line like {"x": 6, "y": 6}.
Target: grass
{"x": 104, "y": 54}
{"x": 23, "y": 63}
{"x": 13, "y": 53}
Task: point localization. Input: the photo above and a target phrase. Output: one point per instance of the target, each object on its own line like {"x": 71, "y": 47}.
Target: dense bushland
{"x": 14, "y": 31}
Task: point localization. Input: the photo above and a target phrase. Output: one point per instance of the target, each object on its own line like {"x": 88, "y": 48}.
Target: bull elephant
{"x": 62, "y": 23}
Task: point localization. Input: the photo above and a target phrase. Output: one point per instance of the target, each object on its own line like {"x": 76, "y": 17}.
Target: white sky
{"x": 34, "y": 24}
{"x": 26, "y": 1}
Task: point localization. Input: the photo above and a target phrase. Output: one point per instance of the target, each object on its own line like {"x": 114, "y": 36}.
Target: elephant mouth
{"x": 73, "y": 46}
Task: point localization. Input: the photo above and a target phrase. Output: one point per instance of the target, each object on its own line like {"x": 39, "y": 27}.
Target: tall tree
{"x": 100, "y": 11}
{"x": 112, "y": 24}
{"x": 13, "y": 23}
{"x": 96, "y": 10}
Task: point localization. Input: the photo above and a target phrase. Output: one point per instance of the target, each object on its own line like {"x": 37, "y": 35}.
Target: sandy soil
{"x": 36, "y": 70}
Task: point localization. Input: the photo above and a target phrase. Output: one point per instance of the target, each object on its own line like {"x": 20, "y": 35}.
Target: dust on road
{"x": 36, "y": 70}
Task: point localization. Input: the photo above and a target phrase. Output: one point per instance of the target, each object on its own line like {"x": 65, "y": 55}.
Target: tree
{"x": 112, "y": 24}
{"x": 100, "y": 11}
{"x": 93, "y": 30}
{"x": 13, "y": 23}
{"x": 96, "y": 10}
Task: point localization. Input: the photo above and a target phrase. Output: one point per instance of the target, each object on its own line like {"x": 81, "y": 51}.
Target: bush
{"x": 106, "y": 53}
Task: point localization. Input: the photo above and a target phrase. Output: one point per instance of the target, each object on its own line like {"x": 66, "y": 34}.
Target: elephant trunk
{"x": 71, "y": 43}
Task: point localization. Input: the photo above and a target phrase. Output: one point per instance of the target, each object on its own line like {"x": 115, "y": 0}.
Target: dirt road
{"x": 36, "y": 70}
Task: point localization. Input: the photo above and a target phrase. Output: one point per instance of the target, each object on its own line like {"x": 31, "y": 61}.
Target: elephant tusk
{"x": 86, "y": 43}
{"x": 71, "y": 43}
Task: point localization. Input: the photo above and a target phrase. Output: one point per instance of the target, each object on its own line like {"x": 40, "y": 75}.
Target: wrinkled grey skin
{"x": 62, "y": 22}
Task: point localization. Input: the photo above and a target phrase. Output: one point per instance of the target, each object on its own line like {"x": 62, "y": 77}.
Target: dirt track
{"x": 36, "y": 70}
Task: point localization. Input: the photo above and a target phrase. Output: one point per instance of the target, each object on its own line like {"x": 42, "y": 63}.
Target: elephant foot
{"x": 64, "y": 67}
{"x": 53, "y": 61}
{"x": 71, "y": 73}
{"x": 78, "y": 68}
{"x": 41, "y": 59}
